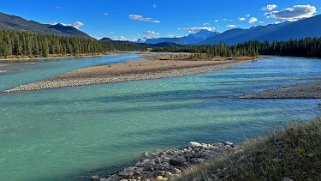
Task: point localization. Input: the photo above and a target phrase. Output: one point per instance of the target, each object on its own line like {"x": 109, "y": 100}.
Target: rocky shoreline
{"x": 310, "y": 90}
{"x": 169, "y": 164}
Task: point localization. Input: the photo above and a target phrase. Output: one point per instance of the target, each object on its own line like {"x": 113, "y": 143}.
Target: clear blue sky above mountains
{"x": 133, "y": 19}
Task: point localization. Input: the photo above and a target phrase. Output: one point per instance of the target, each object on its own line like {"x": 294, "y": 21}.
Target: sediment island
{"x": 154, "y": 66}
{"x": 310, "y": 90}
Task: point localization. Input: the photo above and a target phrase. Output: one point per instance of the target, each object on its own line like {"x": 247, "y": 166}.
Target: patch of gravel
{"x": 311, "y": 90}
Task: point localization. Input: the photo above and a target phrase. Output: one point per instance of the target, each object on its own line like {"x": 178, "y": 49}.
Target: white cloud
{"x": 154, "y": 6}
{"x": 105, "y": 14}
{"x": 248, "y": 15}
{"x": 270, "y": 7}
{"x": 231, "y": 26}
{"x": 242, "y": 19}
{"x": 137, "y": 17}
{"x": 206, "y": 24}
{"x": 76, "y": 24}
{"x": 197, "y": 29}
{"x": 293, "y": 14}
{"x": 252, "y": 20}
{"x": 216, "y": 21}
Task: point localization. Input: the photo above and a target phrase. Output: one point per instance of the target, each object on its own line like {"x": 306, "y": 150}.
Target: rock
{"x": 194, "y": 144}
{"x": 158, "y": 160}
{"x": 201, "y": 160}
{"x": 178, "y": 161}
{"x": 160, "y": 178}
{"x": 177, "y": 171}
{"x": 228, "y": 143}
{"x": 146, "y": 154}
{"x": 95, "y": 177}
{"x": 287, "y": 179}
{"x": 126, "y": 173}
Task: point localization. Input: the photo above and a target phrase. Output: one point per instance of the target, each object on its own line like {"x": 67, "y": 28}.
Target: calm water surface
{"x": 63, "y": 133}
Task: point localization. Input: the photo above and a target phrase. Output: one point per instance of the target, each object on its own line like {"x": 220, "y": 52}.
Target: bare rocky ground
{"x": 169, "y": 164}
{"x": 311, "y": 90}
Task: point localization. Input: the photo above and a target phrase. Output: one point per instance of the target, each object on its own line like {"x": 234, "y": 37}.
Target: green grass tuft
{"x": 293, "y": 154}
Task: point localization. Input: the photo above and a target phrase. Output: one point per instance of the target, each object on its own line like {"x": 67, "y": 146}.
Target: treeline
{"x": 16, "y": 43}
{"x": 308, "y": 47}
{"x": 220, "y": 50}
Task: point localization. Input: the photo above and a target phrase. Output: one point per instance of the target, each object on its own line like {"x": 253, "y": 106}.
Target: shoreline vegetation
{"x": 154, "y": 66}
{"x": 290, "y": 154}
{"x": 18, "y": 59}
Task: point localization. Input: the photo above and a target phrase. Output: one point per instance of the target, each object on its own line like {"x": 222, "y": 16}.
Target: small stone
{"x": 146, "y": 154}
{"x": 310, "y": 155}
{"x": 168, "y": 174}
{"x": 158, "y": 160}
{"x": 160, "y": 178}
{"x": 286, "y": 179}
{"x": 200, "y": 160}
{"x": 177, "y": 171}
{"x": 95, "y": 177}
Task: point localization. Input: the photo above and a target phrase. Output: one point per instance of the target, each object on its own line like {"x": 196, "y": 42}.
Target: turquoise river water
{"x": 63, "y": 134}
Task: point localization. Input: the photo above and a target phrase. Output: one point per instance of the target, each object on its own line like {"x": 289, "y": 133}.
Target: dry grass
{"x": 293, "y": 154}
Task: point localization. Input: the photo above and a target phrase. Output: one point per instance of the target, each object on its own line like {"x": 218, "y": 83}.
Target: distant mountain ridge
{"x": 17, "y": 23}
{"x": 191, "y": 39}
{"x": 308, "y": 27}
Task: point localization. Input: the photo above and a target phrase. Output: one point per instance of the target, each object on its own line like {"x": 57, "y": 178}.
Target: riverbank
{"x": 293, "y": 154}
{"x": 17, "y": 59}
{"x": 154, "y": 66}
{"x": 311, "y": 90}
{"x": 170, "y": 164}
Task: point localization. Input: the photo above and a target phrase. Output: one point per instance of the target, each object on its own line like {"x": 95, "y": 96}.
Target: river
{"x": 61, "y": 134}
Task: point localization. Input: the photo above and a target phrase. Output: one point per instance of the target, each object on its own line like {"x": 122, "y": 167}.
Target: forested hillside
{"x": 220, "y": 50}
{"x": 16, "y": 43}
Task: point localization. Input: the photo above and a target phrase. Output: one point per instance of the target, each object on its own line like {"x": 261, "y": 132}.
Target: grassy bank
{"x": 293, "y": 154}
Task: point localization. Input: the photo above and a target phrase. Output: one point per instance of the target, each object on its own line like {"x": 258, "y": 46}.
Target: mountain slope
{"x": 20, "y": 24}
{"x": 310, "y": 27}
{"x": 238, "y": 35}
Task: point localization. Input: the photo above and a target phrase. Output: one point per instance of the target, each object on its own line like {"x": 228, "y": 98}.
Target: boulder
{"x": 178, "y": 161}
{"x": 194, "y": 144}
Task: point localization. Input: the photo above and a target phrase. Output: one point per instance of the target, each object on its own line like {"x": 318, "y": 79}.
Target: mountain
{"x": 238, "y": 35}
{"x": 17, "y": 23}
{"x": 309, "y": 27}
{"x": 190, "y": 39}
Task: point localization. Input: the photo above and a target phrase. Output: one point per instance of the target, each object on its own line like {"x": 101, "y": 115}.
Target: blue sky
{"x": 132, "y": 19}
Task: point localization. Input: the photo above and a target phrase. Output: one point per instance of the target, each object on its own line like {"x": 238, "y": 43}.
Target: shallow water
{"x": 63, "y": 133}
{"x": 15, "y": 74}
